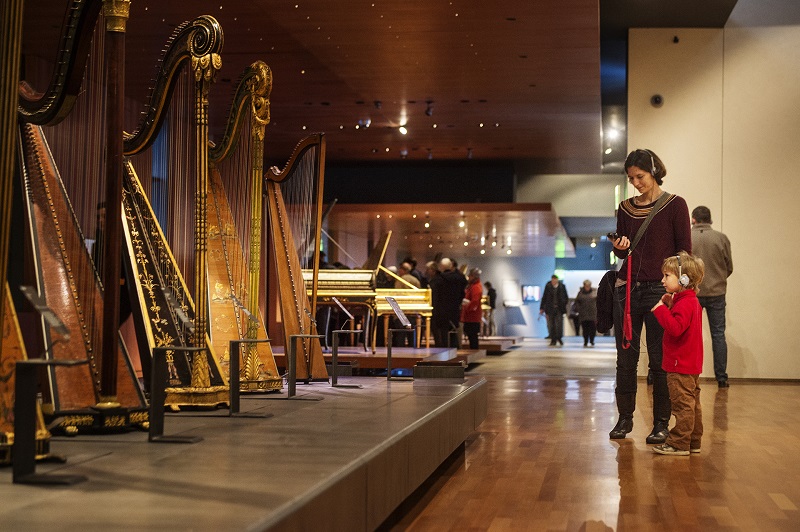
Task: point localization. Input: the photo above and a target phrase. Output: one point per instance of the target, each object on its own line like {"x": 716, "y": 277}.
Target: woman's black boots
{"x": 622, "y": 428}
{"x": 626, "y": 403}
{"x": 660, "y": 431}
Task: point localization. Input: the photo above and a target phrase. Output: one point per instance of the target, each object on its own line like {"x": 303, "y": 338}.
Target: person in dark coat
{"x": 554, "y": 306}
{"x": 447, "y": 293}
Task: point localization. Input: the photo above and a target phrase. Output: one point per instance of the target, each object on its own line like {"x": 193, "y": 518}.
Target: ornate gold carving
{"x": 117, "y": 13}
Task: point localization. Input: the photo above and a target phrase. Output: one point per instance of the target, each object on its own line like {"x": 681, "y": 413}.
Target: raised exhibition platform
{"x": 330, "y": 458}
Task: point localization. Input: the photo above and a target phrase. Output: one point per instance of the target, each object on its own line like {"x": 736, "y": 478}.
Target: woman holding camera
{"x": 639, "y": 280}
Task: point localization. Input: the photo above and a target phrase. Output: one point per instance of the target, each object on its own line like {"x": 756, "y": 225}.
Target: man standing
{"x": 554, "y": 306}
{"x": 447, "y": 295}
{"x": 715, "y": 250}
{"x": 490, "y": 328}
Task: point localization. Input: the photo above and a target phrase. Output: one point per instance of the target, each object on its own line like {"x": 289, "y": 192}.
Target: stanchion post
{"x": 23, "y": 453}
{"x": 291, "y": 362}
{"x": 233, "y": 377}
{"x": 335, "y": 360}
{"x": 389, "y": 352}
{"x": 158, "y": 393}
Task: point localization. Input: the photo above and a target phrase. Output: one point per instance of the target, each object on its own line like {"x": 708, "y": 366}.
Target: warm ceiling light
{"x": 494, "y": 243}
{"x": 483, "y": 252}
{"x": 594, "y": 243}
{"x": 508, "y": 251}
{"x": 461, "y": 223}
{"x": 608, "y": 150}
{"x": 377, "y": 216}
{"x": 466, "y": 243}
{"x": 402, "y": 130}
{"x": 427, "y": 225}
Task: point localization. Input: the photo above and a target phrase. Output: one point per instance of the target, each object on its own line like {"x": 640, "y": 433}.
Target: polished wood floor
{"x": 542, "y": 459}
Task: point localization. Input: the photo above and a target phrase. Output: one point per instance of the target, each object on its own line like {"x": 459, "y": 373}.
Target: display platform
{"x": 328, "y": 459}
{"x": 402, "y": 357}
{"x": 497, "y": 344}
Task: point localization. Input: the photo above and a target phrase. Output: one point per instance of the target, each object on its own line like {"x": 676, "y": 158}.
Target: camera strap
{"x": 627, "y": 324}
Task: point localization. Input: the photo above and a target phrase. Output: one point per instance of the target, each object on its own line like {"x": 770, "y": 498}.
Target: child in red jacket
{"x": 680, "y": 314}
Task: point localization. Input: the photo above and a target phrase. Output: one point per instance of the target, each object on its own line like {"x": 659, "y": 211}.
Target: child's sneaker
{"x": 666, "y": 448}
{"x": 695, "y": 450}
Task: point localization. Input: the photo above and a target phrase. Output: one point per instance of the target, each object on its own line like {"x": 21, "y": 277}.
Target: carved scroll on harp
{"x": 235, "y": 203}
{"x": 166, "y": 241}
{"x": 61, "y": 153}
{"x": 294, "y": 200}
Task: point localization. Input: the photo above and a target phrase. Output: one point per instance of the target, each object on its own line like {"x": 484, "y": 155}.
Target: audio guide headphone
{"x": 682, "y": 277}
{"x": 653, "y": 168}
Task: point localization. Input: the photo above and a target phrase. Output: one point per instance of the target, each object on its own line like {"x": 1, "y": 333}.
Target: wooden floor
{"x": 542, "y": 459}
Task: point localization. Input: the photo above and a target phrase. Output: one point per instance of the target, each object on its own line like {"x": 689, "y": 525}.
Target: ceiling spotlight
{"x": 378, "y": 104}
{"x": 594, "y": 243}
{"x": 508, "y": 251}
{"x": 402, "y": 130}
{"x": 462, "y": 223}
{"x": 429, "y": 109}
{"x": 404, "y": 153}
{"x": 483, "y": 252}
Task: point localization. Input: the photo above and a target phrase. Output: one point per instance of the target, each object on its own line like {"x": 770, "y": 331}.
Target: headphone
{"x": 683, "y": 279}
{"x": 653, "y": 168}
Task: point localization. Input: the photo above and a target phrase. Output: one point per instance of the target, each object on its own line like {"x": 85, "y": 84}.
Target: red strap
{"x": 627, "y": 324}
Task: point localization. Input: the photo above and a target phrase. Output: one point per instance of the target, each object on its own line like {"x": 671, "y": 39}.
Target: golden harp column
{"x": 260, "y": 89}
{"x": 205, "y": 68}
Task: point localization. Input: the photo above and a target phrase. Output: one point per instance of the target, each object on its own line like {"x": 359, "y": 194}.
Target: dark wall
{"x": 420, "y": 182}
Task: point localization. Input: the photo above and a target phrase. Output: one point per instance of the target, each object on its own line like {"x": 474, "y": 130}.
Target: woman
{"x": 586, "y": 305}
{"x": 471, "y": 311}
{"x": 669, "y": 232}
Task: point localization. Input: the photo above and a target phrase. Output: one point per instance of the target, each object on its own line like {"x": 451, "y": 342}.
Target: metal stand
{"x": 158, "y": 393}
{"x": 389, "y": 352}
{"x": 24, "y": 451}
{"x": 335, "y": 360}
{"x": 453, "y": 340}
{"x": 234, "y": 382}
{"x": 291, "y": 363}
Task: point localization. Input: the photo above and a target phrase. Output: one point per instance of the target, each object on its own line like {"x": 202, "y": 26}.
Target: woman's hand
{"x": 622, "y": 243}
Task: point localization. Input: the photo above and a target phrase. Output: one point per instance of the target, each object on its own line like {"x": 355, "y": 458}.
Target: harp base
{"x": 100, "y": 421}
{"x": 211, "y": 397}
{"x": 272, "y": 384}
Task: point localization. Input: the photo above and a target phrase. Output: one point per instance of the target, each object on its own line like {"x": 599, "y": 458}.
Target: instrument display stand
{"x": 335, "y": 360}
{"x": 23, "y": 456}
{"x": 406, "y": 330}
{"x": 158, "y": 394}
{"x": 234, "y": 382}
{"x": 291, "y": 366}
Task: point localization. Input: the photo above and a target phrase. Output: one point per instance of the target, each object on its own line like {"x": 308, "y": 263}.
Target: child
{"x": 680, "y": 314}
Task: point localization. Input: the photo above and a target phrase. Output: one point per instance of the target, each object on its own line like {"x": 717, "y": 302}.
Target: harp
{"x": 165, "y": 211}
{"x": 235, "y": 204}
{"x": 62, "y": 169}
{"x": 294, "y": 201}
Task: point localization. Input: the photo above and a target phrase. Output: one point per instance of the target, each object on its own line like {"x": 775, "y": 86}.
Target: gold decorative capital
{"x": 116, "y": 13}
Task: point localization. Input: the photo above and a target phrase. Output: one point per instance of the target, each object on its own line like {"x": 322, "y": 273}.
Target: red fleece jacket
{"x": 683, "y": 334}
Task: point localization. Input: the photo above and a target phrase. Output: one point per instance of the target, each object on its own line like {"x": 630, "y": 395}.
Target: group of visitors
{"x": 658, "y": 287}
{"x": 666, "y": 255}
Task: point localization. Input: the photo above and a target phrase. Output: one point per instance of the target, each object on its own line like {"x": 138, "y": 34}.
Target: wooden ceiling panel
{"x": 516, "y": 63}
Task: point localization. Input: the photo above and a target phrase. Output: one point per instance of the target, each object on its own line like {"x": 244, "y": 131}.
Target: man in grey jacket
{"x": 715, "y": 250}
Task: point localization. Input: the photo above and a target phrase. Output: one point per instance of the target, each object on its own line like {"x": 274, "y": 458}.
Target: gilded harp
{"x": 235, "y": 205}
{"x": 294, "y": 201}
{"x": 165, "y": 212}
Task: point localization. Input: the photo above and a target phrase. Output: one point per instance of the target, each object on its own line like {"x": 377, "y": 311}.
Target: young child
{"x": 680, "y": 314}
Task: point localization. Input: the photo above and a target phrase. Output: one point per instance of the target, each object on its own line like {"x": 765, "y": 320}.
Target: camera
{"x": 613, "y": 236}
